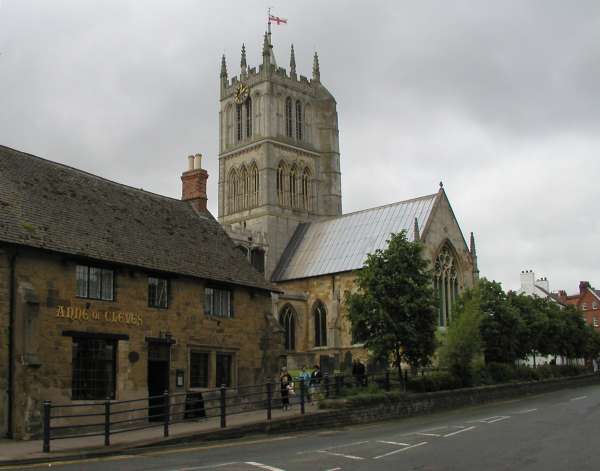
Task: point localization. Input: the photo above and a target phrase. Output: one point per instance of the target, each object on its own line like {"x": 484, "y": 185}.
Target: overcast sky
{"x": 500, "y": 100}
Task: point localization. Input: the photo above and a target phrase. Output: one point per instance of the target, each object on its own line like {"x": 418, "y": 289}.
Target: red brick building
{"x": 587, "y": 300}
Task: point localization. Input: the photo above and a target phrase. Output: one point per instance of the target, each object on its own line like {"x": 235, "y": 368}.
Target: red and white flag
{"x": 277, "y": 20}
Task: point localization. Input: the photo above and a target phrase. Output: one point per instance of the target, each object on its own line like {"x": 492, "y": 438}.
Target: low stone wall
{"x": 404, "y": 405}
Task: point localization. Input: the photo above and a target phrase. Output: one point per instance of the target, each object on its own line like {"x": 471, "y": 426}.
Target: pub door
{"x": 158, "y": 379}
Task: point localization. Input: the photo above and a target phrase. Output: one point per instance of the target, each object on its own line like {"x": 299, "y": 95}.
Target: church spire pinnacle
{"x": 472, "y": 247}
{"x": 223, "y": 67}
{"x": 292, "y": 62}
{"x": 416, "y": 233}
{"x": 243, "y": 64}
{"x": 316, "y": 69}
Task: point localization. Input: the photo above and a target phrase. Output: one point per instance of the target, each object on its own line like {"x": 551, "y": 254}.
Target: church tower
{"x": 279, "y": 158}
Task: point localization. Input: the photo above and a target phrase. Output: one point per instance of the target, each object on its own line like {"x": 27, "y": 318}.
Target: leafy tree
{"x": 501, "y": 326}
{"x": 533, "y": 314}
{"x": 462, "y": 343}
{"x": 393, "y": 310}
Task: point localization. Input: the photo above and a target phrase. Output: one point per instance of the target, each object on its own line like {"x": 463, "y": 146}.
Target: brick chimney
{"x": 583, "y": 286}
{"x": 193, "y": 183}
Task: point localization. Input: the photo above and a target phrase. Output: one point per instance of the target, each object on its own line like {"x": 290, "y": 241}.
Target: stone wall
{"x": 46, "y": 292}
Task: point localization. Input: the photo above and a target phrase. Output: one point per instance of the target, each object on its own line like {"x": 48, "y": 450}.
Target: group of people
{"x": 312, "y": 384}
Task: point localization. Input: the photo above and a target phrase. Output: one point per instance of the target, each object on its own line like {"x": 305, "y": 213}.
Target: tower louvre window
{"x": 288, "y": 117}
{"x": 244, "y": 189}
{"x": 249, "y": 117}
{"x": 233, "y": 191}
{"x": 298, "y": 120}
{"x": 238, "y": 121}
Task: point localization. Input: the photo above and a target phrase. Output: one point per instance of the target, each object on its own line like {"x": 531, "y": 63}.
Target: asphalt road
{"x": 553, "y": 431}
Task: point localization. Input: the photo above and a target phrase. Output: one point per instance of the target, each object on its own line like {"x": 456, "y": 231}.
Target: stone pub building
{"x": 111, "y": 291}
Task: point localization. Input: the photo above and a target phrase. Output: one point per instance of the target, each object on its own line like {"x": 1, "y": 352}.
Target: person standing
{"x": 305, "y": 378}
{"x": 286, "y": 384}
{"x": 315, "y": 381}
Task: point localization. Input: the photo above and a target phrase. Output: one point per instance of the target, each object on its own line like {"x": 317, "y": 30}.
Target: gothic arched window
{"x": 232, "y": 190}
{"x": 244, "y": 188}
{"x": 305, "y": 189}
{"x": 320, "y": 319}
{"x": 228, "y": 125}
{"x": 254, "y": 185}
{"x": 287, "y": 319}
{"x": 445, "y": 283}
{"x": 288, "y": 117}
{"x": 294, "y": 187}
{"x": 238, "y": 122}
{"x": 299, "y": 120}
{"x": 281, "y": 174}
{"x": 249, "y": 117}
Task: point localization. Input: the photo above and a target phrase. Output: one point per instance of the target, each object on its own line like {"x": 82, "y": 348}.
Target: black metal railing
{"x": 110, "y": 417}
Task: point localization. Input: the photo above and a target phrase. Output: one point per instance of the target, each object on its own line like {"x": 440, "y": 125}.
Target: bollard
{"x": 326, "y": 380}
{"x": 107, "y": 422}
{"x": 223, "y": 406}
{"x": 302, "y": 386}
{"x": 166, "y": 413}
{"x": 47, "y": 405}
{"x": 269, "y": 399}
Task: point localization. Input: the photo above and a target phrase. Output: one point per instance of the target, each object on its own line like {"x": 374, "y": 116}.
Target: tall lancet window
{"x": 281, "y": 174}
{"x": 238, "y": 122}
{"x": 249, "y": 117}
{"x": 244, "y": 188}
{"x": 288, "y": 117}
{"x": 254, "y": 185}
{"x": 320, "y": 320}
{"x": 232, "y": 189}
{"x": 305, "y": 190}
{"x": 294, "y": 187}
{"x": 287, "y": 319}
{"x": 445, "y": 282}
{"x": 299, "y": 120}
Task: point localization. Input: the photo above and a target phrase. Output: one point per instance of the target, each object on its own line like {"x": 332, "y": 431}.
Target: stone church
{"x": 280, "y": 200}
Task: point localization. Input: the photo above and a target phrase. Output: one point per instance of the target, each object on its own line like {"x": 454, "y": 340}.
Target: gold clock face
{"x": 241, "y": 93}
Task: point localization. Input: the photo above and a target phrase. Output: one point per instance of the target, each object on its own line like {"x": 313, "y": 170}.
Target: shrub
{"x": 500, "y": 372}
{"x": 435, "y": 381}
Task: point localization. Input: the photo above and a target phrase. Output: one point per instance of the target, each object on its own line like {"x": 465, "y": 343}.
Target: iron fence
{"x": 111, "y": 417}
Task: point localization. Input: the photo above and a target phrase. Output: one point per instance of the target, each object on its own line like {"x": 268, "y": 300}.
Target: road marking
{"x": 527, "y": 411}
{"x": 459, "y": 431}
{"x": 428, "y": 434}
{"x": 263, "y": 466}
{"x": 350, "y": 457}
{"x": 219, "y": 445}
{"x": 212, "y": 466}
{"x": 333, "y": 469}
{"x": 579, "y": 398}
{"x": 498, "y": 419}
{"x": 393, "y": 443}
{"x": 400, "y": 450}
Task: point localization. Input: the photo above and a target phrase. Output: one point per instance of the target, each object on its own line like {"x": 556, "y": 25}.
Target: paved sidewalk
{"x": 12, "y": 451}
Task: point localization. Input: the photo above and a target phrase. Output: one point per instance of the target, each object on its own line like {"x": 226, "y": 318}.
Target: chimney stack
{"x": 193, "y": 180}
{"x": 583, "y": 286}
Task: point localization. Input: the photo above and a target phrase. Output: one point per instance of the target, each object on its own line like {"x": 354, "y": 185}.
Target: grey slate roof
{"x": 342, "y": 243}
{"x": 50, "y": 206}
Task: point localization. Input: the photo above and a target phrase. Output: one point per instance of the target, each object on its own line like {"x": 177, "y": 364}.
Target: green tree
{"x": 501, "y": 326}
{"x": 533, "y": 313}
{"x": 462, "y": 342}
{"x": 393, "y": 309}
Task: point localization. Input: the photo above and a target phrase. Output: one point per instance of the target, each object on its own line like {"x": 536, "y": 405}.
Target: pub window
{"x": 158, "y": 289}
{"x": 217, "y": 302}
{"x": 224, "y": 367}
{"x": 94, "y": 367}
{"x": 94, "y": 282}
{"x": 199, "y": 369}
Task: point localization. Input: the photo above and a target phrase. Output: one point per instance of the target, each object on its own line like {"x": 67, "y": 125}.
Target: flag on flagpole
{"x": 277, "y": 20}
